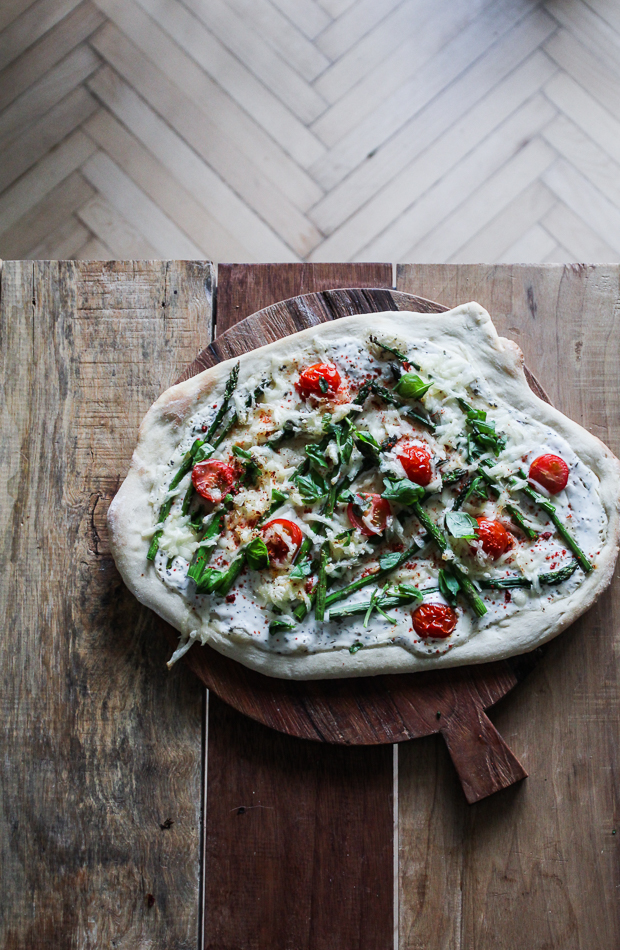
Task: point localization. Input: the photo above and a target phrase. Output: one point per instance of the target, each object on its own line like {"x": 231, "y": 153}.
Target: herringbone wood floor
{"x": 262, "y": 130}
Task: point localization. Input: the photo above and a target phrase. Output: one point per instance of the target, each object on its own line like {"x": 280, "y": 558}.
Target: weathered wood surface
{"x": 298, "y": 835}
{"x": 101, "y": 746}
{"x": 536, "y": 866}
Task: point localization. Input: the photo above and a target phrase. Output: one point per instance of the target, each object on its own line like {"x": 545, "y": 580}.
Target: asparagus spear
{"x": 198, "y": 452}
{"x": 231, "y": 385}
{"x": 549, "y": 508}
{"x": 202, "y": 553}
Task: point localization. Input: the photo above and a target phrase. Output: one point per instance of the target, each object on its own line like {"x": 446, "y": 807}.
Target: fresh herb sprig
{"x": 482, "y": 436}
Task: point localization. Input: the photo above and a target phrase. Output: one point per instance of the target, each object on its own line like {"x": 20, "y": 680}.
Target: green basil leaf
{"x": 303, "y": 569}
{"x": 278, "y": 496}
{"x": 448, "y": 587}
{"x": 202, "y": 453}
{"x": 367, "y": 445}
{"x": 402, "y": 490}
{"x": 461, "y": 525}
{"x": 389, "y": 561}
{"x": 411, "y": 386}
{"x": 257, "y": 555}
{"x": 355, "y": 647}
{"x": 241, "y": 453}
{"x": 311, "y": 487}
{"x": 323, "y": 384}
{"x": 315, "y": 455}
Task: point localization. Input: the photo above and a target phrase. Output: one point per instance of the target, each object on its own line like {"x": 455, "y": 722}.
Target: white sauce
{"x": 246, "y": 613}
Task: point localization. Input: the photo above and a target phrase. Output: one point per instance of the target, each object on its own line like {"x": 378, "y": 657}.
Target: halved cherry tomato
{"x": 377, "y": 514}
{"x": 551, "y": 472}
{"x": 434, "y": 620}
{"x": 212, "y": 479}
{"x": 322, "y": 379}
{"x": 283, "y": 539}
{"x": 495, "y": 539}
{"x": 416, "y": 460}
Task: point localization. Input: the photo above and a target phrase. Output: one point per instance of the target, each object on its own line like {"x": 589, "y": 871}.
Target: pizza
{"x": 379, "y": 494}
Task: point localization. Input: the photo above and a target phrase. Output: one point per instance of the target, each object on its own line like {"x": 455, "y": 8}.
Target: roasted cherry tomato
{"x": 416, "y": 460}
{"x": 212, "y": 479}
{"x": 376, "y": 514}
{"x": 322, "y": 379}
{"x": 283, "y": 539}
{"x": 434, "y": 621}
{"x": 551, "y": 472}
{"x": 494, "y": 537}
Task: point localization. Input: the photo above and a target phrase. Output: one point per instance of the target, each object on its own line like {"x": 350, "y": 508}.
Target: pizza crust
{"x": 500, "y": 360}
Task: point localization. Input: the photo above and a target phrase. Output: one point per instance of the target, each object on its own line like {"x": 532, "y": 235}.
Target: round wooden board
{"x": 378, "y": 709}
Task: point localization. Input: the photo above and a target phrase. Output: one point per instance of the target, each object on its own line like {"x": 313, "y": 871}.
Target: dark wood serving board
{"x": 378, "y": 709}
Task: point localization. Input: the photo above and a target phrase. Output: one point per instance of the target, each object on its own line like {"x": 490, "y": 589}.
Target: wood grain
{"x": 240, "y": 286}
{"x": 538, "y": 865}
{"x": 298, "y": 835}
{"x": 101, "y": 799}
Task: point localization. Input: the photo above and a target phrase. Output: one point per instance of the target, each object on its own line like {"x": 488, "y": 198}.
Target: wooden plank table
{"x": 139, "y": 813}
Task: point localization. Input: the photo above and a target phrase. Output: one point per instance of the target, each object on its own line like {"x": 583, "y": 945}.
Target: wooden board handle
{"x": 484, "y": 762}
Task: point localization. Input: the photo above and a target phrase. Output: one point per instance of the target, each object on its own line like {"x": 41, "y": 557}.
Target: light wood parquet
{"x": 321, "y": 130}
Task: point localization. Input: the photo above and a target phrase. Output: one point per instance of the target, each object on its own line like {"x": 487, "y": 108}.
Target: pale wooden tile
{"x": 36, "y": 20}
{"x": 585, "y": 201}
{"x": 608, "y": 10}
{"x": 586, "y": 156}
{"x": 559, "y": 255}
{"x": 62, "y": 244}
{"x": 233, "y": 123}
{"x": 586, "y": 113}
{"x": 471, "y": 131}
{"x": 454, "y": 60}
{"x": 588, "y": 27}
{"x": 582, "y": 243}
{"x": 21, "y": 197}
{"x": 257, "y": 56}
{"x": 43, "y": 135}
{"x": 533, "y": 247}
{"x": 265, "y": 108}
{"x": 336, "y": 8}
{"x": 11, "y": 9}
{"x": 46, "y": 216}
{"x": 47, "y": 92}
{"x": 409, "y": 37}
{"x": 181, "y": 206}
{"x": 307, "y": 15}
{"x": 185, "y": 165}
{"x": 278, "y": 32}
{"x": 51, "y": 49}
{"x": 352, "y": 25}
{"x": 587, "y": 69}
{"x": 209, "y": 141}
{"x": 94, "y": 250}
{"x": 143, "y": 214}
{"x": 110, "y": 227}
{"x": 526, "y": 166}
{"x": 498, "y": 240}
{"x": 458, "y": 205}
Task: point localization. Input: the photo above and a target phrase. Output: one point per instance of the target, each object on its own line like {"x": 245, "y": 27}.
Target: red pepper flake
{"x": 545, "y": 535}
{"x": 230, "y": 598}
{"x": 507, "y": 596}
